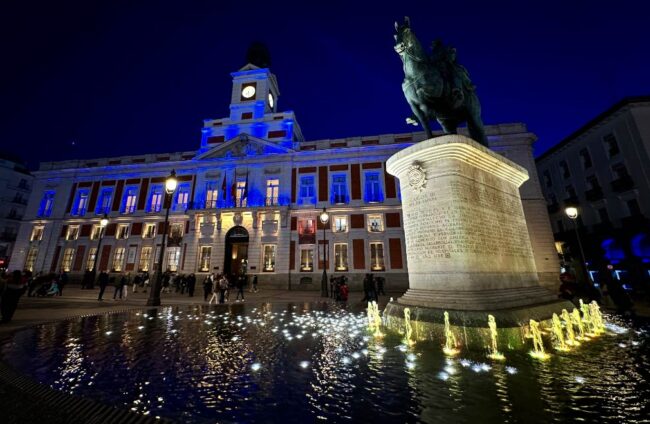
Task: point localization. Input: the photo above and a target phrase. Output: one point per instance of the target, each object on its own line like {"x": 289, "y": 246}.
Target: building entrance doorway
{"x": 236, "y": 255}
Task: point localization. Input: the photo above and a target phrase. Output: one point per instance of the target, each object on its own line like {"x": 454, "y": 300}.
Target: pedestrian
{"x": 367, "y": 281}
{"x": 63, "y": 280}
{"x": 102, "y": 280}
{"x": 208, "y": 286}
{"x": 119, "y": 286}
{"x": 241, "y": 281}
{"x": 191, "y": 284}
{"x": 381, "y": 281}
{"x": 215, "y": 291}
{"x": 343, "y": 291}
{"x": 167, "y": 276}
{"x": 145, "y": 282}
{"x": 136, "y": 282}
{"x": 12, "y": 287}
{"x": 223, "y": 289}
{"x": 254, "y": 286}
{"x": 32, "y": 283}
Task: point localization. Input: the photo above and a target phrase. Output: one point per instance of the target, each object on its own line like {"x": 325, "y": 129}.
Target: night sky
{"x": 94, "y": 79}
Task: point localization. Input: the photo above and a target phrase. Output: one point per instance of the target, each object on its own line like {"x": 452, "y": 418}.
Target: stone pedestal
{"x": 467, "y": 242}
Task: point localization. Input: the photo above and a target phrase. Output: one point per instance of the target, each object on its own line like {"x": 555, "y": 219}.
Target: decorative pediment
{"x": 242, "y": 146}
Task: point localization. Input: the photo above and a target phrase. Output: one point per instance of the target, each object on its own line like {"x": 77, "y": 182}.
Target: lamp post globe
{"x": 104, "y": 221}
{"x": 171, "y": 183}
{"x": 571, "y": 212}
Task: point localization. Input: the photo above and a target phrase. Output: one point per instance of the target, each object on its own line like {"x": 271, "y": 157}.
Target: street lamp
{"x": 170, "y": 187}
{"x": 102, "y": 225}
{"x": 572, "y": 213}
{"x": 324, "y": 219}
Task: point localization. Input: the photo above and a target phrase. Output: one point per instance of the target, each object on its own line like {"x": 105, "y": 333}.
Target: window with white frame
{"x": 149, "y": 230}
{"x": 241, "y": 195}
{"x": 340, "y": 224}
{"x": 90, "y": 262}
{"x": 377, "y": 256}
{"x": 95, "y": 232}
{"x": 130, "y": 199}
{"x": 376, "y": 223}
{"x": 269, "y": 257}
{"x": 80, "y": 203}
{"x": 122, "y": 232}
{"x": 182, "y": 197}
{"x": 373, "y": 193}
{"x": 68, "y": 254}
{"x": 45, "y": 208}
{"x": 118, "y": 259}
{"x": 341, "y": 256}
{"x": 204, "y": 258}
{"x": 173, "y": 258}
{"x": 211, "y": 194}
{"x": 339, "y": 189}
{"x": 145, "y": 258}
{"x": 307, "y": 259}
{"x": 104, "y": 202}
{"x": 307, "y": 192}
{"x": 31, "y": 258}
{"x": 73, "y": 232}
{"x": 155, "y": 199}
{"x": 272, "y": 191}
{"x": 37, "y": 233}
{"x": 176, "y": 229}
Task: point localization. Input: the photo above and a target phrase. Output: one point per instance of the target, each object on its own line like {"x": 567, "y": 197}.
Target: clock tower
{"x": 253, "y": 107}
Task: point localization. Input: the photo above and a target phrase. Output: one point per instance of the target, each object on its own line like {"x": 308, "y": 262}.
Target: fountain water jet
{"x": 596, "y": 318}
{"x": 493, "y": 348}
{"x": 451, "y": 347}
{"x": 538, "y": 344}
{"x": 558, "y": 334}
{"x": 409, "y": 330}
{"x": 577, "y": 320}
{"x": 568, "y": 325}
{"x": 586, "y": 318}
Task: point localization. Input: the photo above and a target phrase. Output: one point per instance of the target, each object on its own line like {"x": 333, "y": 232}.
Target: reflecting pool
{"x": 312, "y": 362}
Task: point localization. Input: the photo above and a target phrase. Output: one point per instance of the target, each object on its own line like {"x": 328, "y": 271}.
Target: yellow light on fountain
{"x": 568, "y": 325}
{"x": 376, "y": 319}
{"x": 407, "y": 327}
{"x": 493, "y": 348}
{"x": 558, "y": 334}
{"x": 596, "y": 318}
{"x": 538, "y": 344}
{"x": 577, "y": 320}
{"x": 451, "y": 347}
{"x": 586, "y": 318}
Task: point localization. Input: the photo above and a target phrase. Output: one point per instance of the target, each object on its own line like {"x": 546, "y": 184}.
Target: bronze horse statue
{"x": 436, "y": 87}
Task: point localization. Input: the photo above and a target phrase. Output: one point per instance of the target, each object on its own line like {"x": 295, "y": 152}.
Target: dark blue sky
{"x": 119, "y": 78}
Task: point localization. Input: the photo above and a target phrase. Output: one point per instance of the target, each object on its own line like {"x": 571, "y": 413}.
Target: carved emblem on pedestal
{"x": 417, "y": 177}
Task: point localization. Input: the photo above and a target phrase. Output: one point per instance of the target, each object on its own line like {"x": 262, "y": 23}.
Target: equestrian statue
{"x": 437, "y": 87}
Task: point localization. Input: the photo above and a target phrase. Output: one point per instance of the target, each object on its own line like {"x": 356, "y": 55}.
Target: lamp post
{"x": 572, "y": 213}
{"x": 170, "y": 187}
{"x": 102, "y": 225}
{"x": 324, "y": 219}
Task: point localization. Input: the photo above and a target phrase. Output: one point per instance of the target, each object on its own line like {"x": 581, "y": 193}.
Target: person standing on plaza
{"x": 208, "y": 286}
{"x": 119, "y": 287}
{"x": 241, "y": 280}
{"x": 103, "y": 282}
{"x": 136, "y": 282}
{"x": 11, "y": 288}
{"x": 215, "y": 290}
{"x": 223, "y": 289}
{"x": 191, "y": 284}
{"x": 380, "y": 286}
{"x": 63, "y": 281}
{"x": 254, "y": 285}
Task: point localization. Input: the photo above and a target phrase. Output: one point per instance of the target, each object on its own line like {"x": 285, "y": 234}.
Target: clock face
{"x": 248, "y": 92}
{"x": 271, "y": 100}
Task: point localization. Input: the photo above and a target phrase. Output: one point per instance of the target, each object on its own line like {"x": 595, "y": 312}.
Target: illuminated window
{"x": 182, "y": 197}
{"x": 340, "y": 256}
{"x": 45, "y": 209}
{"x": 118, "y": 259}
{"x": 145, "y": 258}
{"x": 375, "y": 223}
{"x": 31, "y": 258}
{"x": 73, "y": 232}
{"x": 95, "y": 232}
{"x": 269, "y": 257}
{"x": 149, "y": 230}
{"x": 373, "y": 193}
{"x": 377, "y": 256}
{"x": 307, "y": 259}
{"x": 272, "y": 191}
{"x": 307, "y": 189}
{"x": 241, "y": 198}
{"x": 204, "y": 258}
{"x": 130, "y": 198}
{"x": 173, "y": 258}
{"x": 68, "y": 254}
{"x": 122, "y": 231}
{"x": 104, "y": 203}
{"x": 155, "y": 199}
{"x": 306, "y": 226}
{"x": 37, "y": 233}
{"x": 211, "y": 193}
{"x": 339, "y": 189}
{"x": 80, "y": 203}
{"x": 175, "y": 233}
{"x": 340, "y": 224}
{"x": 90, "y": 262}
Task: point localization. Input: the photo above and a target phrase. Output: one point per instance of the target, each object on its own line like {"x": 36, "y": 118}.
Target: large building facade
{"x": 15, "y": 188}
{"x": 604, "y": 170}
{"x": 249, "y": 197}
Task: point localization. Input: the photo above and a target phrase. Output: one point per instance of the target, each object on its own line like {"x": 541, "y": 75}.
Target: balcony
{"x": 594, "y": 194}
{"x": 622, "y": 184}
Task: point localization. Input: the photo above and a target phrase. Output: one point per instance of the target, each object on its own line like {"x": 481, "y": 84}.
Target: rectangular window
{"x": 272, "y": 191}
{"x": 45, "y": 209}
{"x": 182, "y": 197}
{"x": 130, "y": 198}
{"x": 269, "y": 258}
{"x": 341, "y": 256}
{"x": 122, "y": 232}
{"x": 373, "y": 193}
{"x": 95, "y": 232}
{"x": 173, "y": 258}
{"x": 620, "y": 171}
{"x": 340, "y": 224}
{"x": 547, "y": 179}
{"x": 586, "y": 158}
{"x": 104, "y": 203}
{"x": 90, "y": 262}
{"x": 73, "y": 232}
{"x": 611, "y": 144}
{"x": 592, "y": 182}
{"x": 307, "y": 189}
{"x": 306, "y": 226}
{"x": 80, "y": 203}
{"x": 68, "y": 254}
{"x": 211, "y": 194}
{"x": 118, "y": 259}
{"x": 377, "y": 256}
{"x": 145, "y": 258}
{"x": 339, "y": 189}
{"x": 241, "y": 195}
{"x": 564, "y": 169}
{"x": 204, "y": 258}
{"x": 37, "y": 233}
{"x": 571, "y": 192}
{"x": 307, "y": 259}
{"x": 149, "y": 230}
{"x": 155, "y": 199}
{"x": 175, "y": 233}
{"x": 31, "y": 258}
{"x": 375, "y": 223}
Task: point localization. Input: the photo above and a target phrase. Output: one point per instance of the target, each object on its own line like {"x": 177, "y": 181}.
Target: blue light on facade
{"x": 613, "y": 251}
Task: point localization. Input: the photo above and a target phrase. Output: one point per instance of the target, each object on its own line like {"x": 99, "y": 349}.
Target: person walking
{"x": 380, "y": 286}
{"x": 136, "y": 282}
{"x": 11, "y": 288}
{"x": 241, "y": 280}
{"x": 145, "y": 282}
{"x": 119, "y": 286}
{"x": 208, "y": 286}
{"x": 215, "y": 291}
{"x": 103, "y": 282}
{"x": 254, "y": 285}
{"x": 223, "y": 289}
{"x": 63, "y": 281}
{"x": 191, "y": 284}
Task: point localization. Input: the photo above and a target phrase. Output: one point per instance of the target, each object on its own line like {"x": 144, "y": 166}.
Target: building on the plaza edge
{"x": 249, "y": 196}
{"x": 604, "y": 170}
{"x": 15, "y": 187}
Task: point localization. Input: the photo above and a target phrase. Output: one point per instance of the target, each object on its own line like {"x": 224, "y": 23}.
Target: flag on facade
{"x": 224, "y": 192}
{"x": 245, "y": 194}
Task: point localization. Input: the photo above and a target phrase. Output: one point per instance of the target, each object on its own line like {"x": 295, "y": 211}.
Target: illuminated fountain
{"x": 596, "y": 318}
{"x": 408, "y": 340}
{"x": 586, "y": 319}
{"x": 538, "y": 344}
{"x": 558, "y": 334}
{"x": 493, "y": 348}
{"x": 568, "y": 326}
{"x": 577, "y": 321}
{"x": 451, "y": 347}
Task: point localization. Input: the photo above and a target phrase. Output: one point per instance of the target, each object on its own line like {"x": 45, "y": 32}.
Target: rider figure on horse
{"x": 444, "y": 58}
